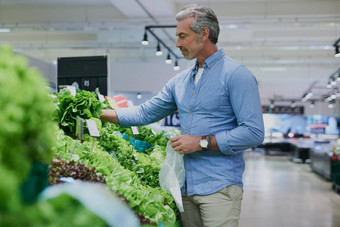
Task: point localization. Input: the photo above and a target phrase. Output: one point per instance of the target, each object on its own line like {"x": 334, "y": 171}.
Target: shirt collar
{"x": 211, "y": 60}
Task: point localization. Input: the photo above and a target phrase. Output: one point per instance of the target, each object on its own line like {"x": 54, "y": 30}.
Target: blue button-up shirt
{"x": 225, "y": 103}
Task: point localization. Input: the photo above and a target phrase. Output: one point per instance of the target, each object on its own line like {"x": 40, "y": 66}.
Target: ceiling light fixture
{"x": 333, "y": 78}
{"x": 145, "y": 39}
{"x": 293, "y": 104}
{"x": 336, "y": 46}
{"x": 337, "y": 53}
{"x": 333, "y": 81}
{"x": 5, "y": 29}
{"x": 159, "y": 51}
{"x": 176, "y": 67}
{"x": 149, "y": 29}
{"x": 168, "y": 59}
{"x": 307, "y": 96}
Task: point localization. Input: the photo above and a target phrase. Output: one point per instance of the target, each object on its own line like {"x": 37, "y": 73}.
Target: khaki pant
{"x": 219, "y": 209}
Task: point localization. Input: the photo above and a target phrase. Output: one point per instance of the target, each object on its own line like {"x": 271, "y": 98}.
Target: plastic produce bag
{"x": 172, "y": 175}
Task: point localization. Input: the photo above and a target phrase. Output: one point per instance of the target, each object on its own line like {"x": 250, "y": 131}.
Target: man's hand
{"x": 110, "y": 116}
{"x": 185, "y": 144}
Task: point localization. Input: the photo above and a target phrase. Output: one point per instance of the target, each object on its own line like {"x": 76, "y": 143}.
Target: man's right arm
{"x": 110, "y": 116}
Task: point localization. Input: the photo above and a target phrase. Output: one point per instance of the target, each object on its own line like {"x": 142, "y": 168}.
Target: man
{"x": 220, "y": 116}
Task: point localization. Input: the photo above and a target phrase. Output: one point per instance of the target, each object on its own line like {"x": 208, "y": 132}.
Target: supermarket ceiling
{"x": 288, "y": 44}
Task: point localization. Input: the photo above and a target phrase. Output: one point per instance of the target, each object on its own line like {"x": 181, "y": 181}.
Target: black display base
{"x": 336, "y": 188}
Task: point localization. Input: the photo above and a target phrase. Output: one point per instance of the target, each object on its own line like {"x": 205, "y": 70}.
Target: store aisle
{"x": 280, "y": 193}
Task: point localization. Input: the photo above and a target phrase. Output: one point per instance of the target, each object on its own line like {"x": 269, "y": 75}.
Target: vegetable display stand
{"x": 35, "y": 183}
{"x": 336, "y": 176}
{"x": 139, "y": 145}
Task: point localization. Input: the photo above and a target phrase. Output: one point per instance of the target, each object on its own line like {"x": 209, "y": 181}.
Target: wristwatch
{"x": 204, "y": 143}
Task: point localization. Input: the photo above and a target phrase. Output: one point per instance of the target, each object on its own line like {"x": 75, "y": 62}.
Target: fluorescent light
{"x": 5, "y": 30}
{"x": 276, "y": 69}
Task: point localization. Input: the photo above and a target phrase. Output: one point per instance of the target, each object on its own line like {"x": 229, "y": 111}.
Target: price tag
{"x": 72, "y": 89}
{"x": 92, "y": 127}
{"x": 101, "y": 97}
{"x": 134, "y": 130}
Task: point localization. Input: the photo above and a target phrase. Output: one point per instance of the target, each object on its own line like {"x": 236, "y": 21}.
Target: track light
{"x": 329, "y": 85}
{"x": 159, "y": 51}
{"x": 337, "y": 53}
{"x": 336, "y": 46}
{"x": 168, "y": 59}
{"x": 176, "y": 67}
{"x": 149, "y": 30}
{"x": 145, "y": 39}
{"x": 333, "y": 81}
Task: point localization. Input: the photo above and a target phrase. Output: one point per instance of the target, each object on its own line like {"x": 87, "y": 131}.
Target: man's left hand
{"x": 185, "y": 144}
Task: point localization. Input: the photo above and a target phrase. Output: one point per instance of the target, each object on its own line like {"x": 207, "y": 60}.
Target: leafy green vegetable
{"x": 148, "y": 135}
{"x": 27, "y": 129}
{"x": 63, "y": 210}
{"x": 153, "y": 203}
{"x": 85, "y": 105}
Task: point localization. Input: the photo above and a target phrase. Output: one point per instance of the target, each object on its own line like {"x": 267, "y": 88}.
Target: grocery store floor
{"x": 281, "y": 193}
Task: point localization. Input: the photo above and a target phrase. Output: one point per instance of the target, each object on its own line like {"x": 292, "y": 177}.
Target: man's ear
{"x": 205, "y": 33}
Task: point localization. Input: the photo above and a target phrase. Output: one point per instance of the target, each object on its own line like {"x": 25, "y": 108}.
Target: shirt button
{"x": 190, "y": 112}
{"x": 186, "y": 132}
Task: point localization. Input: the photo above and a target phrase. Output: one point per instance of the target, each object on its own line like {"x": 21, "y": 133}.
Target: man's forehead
{"x": 183, "y": 26}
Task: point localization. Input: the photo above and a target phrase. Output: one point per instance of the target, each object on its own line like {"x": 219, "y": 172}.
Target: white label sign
{"x": 92, "y": 127}
{"x": 134, "y": 130}
{"x": 72, "y": 89}
{"x": 101, "y": 97}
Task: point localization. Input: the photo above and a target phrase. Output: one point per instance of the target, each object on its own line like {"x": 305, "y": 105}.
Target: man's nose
{"x": 178, "y": 43}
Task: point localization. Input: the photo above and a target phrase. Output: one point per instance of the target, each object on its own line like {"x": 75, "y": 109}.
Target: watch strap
{"x": 209, "y": 142}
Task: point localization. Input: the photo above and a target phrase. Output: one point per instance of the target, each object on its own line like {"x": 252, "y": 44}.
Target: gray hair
{"x": 203, "y": 17}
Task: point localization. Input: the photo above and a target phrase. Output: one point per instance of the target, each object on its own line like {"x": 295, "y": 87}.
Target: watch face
{"x": 204, "y": 143}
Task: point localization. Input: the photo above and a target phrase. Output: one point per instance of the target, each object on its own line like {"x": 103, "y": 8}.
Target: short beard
{"x": 198, "y": 42}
